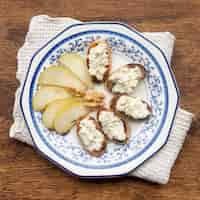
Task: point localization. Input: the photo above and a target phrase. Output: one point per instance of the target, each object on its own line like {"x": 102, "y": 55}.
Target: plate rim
{"x": 88, "y": 23}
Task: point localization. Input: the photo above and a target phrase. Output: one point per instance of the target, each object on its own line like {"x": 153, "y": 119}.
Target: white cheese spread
{"x": 133, "y": 107}
{"x": 112, "y": 126}
{"x": 91, "y": 137}
{"x": 98, "y": 60}
{"x": 125, "y": 79}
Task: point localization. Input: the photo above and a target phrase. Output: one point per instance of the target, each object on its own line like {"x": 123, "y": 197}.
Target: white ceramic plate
{"x": 159, "y": 89}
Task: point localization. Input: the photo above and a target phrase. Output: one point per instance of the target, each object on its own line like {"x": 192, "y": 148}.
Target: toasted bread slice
{"x": 123, "y": 80}
{"x": 91, "y": 136}
{"x": 113, "y": 126}
{"x": 137, "y": 109}
{"x": 95, "y": 60}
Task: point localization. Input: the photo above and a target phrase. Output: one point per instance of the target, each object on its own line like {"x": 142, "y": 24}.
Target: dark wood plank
{"x": 25, "y": 175}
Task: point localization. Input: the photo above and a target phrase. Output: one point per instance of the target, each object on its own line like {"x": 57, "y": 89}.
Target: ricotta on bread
{"x": 133, "y": 107}
{"x": 124, "y": 79}
{"x": 91, "y": 136}
{"x": 112, "y": 126}
{"x": 99, "y": 60}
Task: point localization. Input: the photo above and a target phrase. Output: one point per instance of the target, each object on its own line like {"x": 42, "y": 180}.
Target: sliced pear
{"x": 53, "y": 108}
{"x": 62, "y": 77}
{"x": 77, "y": 65}
{"x": 47, "y": 94}
{"x": 68, "y": 115}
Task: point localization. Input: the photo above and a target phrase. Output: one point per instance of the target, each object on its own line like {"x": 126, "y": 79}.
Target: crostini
{"x": 114, "y": 127}
{"x": 99, "y": 60}
{"x": 124, "y": 79}
{"x": 132, "y": 107}
{"x": 91, "y": 136}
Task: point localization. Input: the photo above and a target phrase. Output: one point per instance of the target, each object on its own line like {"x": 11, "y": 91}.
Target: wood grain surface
{"x": 24, "y": 175}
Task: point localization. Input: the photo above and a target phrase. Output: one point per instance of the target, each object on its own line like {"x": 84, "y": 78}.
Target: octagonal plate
{"x": 159, "y": 89}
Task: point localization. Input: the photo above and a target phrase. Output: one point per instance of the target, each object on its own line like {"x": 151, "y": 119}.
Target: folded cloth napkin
{"x": 41, "y": 29}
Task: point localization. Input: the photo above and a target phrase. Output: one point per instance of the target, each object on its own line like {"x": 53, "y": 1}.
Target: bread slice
{"x": 110, "y": 83}
{"x": 122, "y": 113}
{"x": 103, "y": 126}
{"x": 103, "y": 143}
{"x": 108, "y": 66}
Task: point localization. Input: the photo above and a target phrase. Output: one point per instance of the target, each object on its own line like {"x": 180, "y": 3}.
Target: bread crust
{"x": 109, "y": 66}
{"x": 104, "y": 144}
{"x": 126, "y": 128}
{"x": 109, "y": 84}
{"x": 113, "y": 104}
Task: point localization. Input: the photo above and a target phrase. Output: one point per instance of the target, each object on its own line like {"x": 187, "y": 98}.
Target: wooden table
{"x": 25, "y": 175}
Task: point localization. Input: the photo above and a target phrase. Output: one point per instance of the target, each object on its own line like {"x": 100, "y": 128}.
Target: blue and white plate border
{"x": 118, "y": 171}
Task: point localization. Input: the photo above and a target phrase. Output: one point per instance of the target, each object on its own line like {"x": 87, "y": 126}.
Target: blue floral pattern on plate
{"x": 115, "y": 153}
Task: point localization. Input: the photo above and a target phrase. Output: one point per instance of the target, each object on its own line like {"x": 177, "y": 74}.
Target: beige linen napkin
{"x": 41, "y": 29}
